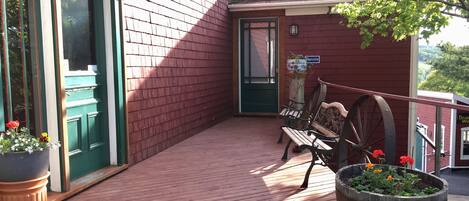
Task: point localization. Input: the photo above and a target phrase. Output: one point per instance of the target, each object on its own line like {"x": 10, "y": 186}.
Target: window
{"x": 442, "y": 137}
{"x": 465, "y": 143}
{"x": 17, "y": 75}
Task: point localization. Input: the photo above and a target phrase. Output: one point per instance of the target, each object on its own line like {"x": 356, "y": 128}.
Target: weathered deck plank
{"x": 235, "y": 160}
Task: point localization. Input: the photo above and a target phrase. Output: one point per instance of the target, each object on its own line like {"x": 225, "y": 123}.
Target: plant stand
{"x": 296, "y": 91}
{"x": 31, "y": 190}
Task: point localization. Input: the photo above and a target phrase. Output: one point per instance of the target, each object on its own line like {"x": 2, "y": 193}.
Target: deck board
{"x": 237, "y": 159}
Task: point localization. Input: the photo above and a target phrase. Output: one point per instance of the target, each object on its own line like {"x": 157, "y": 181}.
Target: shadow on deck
{"x": 237, "y": 159}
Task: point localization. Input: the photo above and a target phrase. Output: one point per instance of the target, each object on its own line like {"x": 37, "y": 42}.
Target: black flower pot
{"x": 346, "y": 193}
{"x": 23, "y": 166}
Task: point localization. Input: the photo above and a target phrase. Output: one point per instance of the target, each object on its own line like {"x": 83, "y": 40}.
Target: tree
{"x": 400, "y": 18}
{"x": 438, "y": 82}
{"x": 450, "y": 71}
{"x": 453, "y": 62}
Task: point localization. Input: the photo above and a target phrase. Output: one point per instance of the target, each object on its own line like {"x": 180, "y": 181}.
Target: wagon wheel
{"x": 369, "y": 125}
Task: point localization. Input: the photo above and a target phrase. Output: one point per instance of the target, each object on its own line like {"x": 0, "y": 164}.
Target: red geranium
{"x": 406, "y": 160}
{"x": 377, "y": 153}
{"x": 13, "y": 124}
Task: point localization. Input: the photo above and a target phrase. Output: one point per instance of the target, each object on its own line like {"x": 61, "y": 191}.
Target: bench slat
{"x": 301, "y": 137}
{"x": 289, "y": 112}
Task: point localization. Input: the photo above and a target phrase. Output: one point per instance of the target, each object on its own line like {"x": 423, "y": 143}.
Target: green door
{"x": 85, "y": 85}
{"x": 259, "y": 77}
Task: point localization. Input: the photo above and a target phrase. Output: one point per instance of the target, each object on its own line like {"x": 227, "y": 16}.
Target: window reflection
{"x": 78, "y": 34}
{"x": 465, "y": 140}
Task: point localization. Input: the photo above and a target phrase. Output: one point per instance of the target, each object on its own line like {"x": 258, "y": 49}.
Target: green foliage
{"x": 400, "y": 19}
{"x": 453, "y": 62}
{"x": 388, "y": 180}
{"x": 427, "y": 52}
{"x": 423, "y": 72}
{"x": 436, "y": 81}
{"x": 450, "y": 71}
{"x": 21, "y": 140}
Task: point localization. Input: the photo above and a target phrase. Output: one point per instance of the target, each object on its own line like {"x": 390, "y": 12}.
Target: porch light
{"x": 294, "y": 29}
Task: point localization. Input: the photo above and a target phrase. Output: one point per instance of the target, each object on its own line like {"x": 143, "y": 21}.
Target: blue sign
{"x": 313, "y": 59}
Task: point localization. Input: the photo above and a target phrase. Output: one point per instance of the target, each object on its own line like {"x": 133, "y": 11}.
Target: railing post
{"x": 437, "y": 140}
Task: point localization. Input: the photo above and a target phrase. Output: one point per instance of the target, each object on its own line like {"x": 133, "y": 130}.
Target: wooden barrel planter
{"x": 24, "y": 176}
{"x": 346, "y": 193}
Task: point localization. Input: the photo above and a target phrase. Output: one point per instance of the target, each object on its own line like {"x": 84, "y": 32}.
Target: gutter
{"x": 283, "y": 5}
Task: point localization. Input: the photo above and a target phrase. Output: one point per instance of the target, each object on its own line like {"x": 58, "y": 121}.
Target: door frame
{"x": 240, "y": 52}
{"x": 46, "y": 55}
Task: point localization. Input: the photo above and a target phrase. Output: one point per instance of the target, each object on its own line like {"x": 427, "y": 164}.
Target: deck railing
{"x": 438, "y": 105}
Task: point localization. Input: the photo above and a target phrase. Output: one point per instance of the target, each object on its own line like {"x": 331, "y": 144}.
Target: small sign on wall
{"x": 313, "y": 59}
{"x": 463, "y": 118}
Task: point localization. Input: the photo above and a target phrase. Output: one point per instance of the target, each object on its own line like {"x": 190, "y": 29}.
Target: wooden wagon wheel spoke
{"x": 354, "y": 130}
{"x": 374, "y": 129}
{"x": 359, "y": 122}
{"x": 369, "y": 125}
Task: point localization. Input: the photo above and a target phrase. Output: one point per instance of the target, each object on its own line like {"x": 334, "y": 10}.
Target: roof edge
{"x": 282, "y": 5}
{"x": 435, "y": 94}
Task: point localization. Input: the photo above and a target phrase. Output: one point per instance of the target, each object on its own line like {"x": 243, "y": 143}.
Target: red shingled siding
{"x": 426, "y": 115}
{"x": 384, "y": 66}
{"x": 178, "y": 68}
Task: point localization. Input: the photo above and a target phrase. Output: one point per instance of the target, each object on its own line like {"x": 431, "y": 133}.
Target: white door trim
{"x": 111, "y": 104}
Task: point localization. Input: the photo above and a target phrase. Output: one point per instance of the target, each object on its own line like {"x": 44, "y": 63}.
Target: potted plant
{"x": 298, "y": 69}
{"x": 386, "y": 182}
{"x": 24, "y": 161}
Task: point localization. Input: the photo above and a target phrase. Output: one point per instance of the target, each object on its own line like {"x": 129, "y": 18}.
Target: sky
{"x": 457, "y": 32}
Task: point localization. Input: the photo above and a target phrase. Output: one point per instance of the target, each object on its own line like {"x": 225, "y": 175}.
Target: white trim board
{"x": 412, "y": 124}
{"x": 110, "y": 83}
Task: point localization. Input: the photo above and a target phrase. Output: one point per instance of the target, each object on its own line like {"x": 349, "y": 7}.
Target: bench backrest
{"x": 329, "y": 119}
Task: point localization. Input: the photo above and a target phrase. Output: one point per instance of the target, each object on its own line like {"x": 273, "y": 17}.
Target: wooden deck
{"x": 237, "y": 159}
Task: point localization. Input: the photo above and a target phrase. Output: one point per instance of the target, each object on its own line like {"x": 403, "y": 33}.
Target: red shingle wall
{"x": 383, "y": 67}
{"x": 426, "y": 115}
{"x": 179, "y": 71}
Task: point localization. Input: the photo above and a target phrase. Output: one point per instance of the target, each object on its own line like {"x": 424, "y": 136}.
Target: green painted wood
{"x": 258, "y": 97}
{"x": 86, "y": 104}
{"x": 419, "y": 154}
{"x": 119, "y": 82}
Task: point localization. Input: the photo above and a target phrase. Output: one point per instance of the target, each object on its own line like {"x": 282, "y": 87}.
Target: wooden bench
{"x": 321, "y": 133}
{"x": 291, "y": 115}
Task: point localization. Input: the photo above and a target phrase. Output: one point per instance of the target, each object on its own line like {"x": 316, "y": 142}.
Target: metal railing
{"x": 438, "y": 105}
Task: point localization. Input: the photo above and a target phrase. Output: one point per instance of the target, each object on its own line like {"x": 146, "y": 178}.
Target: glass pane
{"x": 78, "y": 34}
{"x": 259, "y": 53}
{"x": 17, "y": 87}
{"x": 273, "y": 53}
{"x": 259, "y": 24}
{"x": 246, "y": 53}
{"x": 465, "y": 139}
